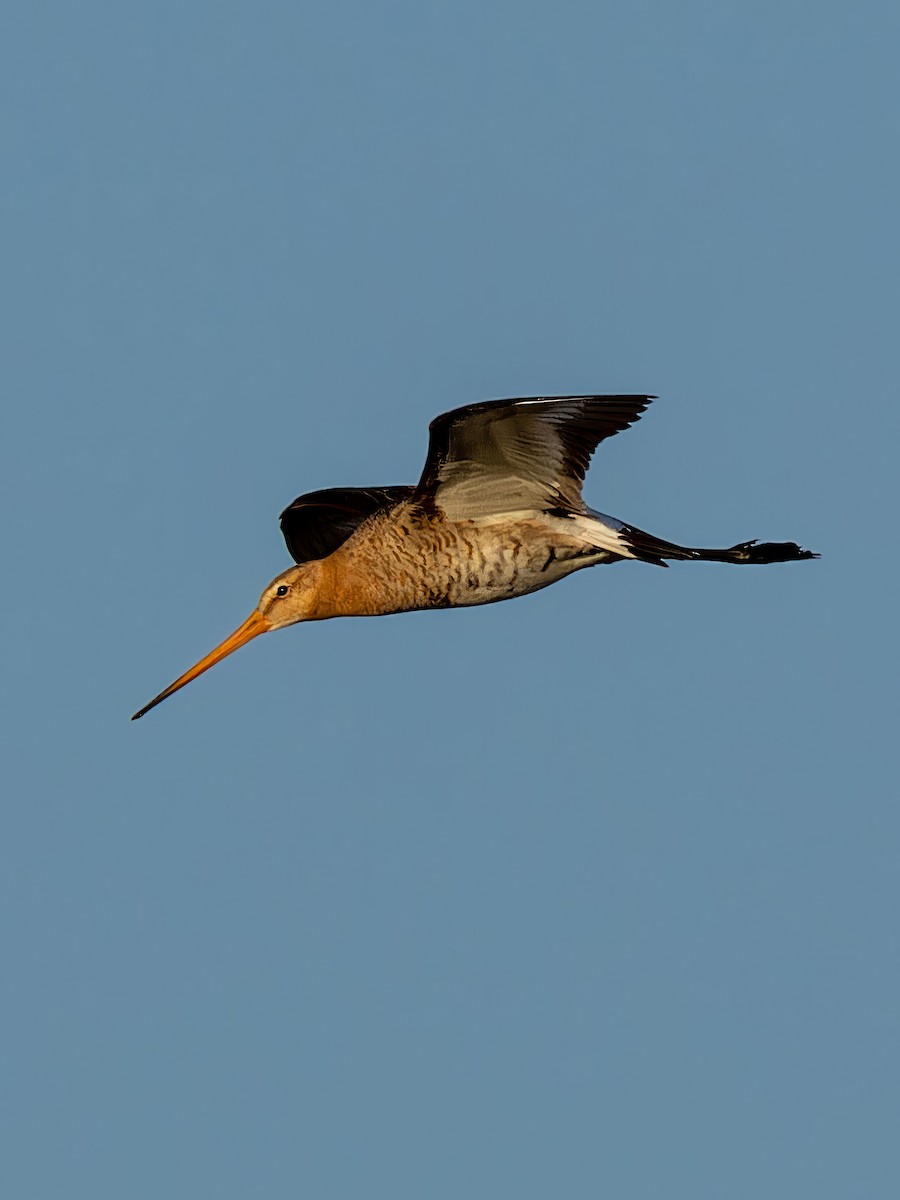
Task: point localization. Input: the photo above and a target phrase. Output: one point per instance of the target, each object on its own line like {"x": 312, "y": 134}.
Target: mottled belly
{"x": 498, "y": 568}
{"x": 454, "y": 565}
{"x": 408, "y": 560}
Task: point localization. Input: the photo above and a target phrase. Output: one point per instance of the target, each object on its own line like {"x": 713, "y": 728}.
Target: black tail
{"x": 653, "y": 550}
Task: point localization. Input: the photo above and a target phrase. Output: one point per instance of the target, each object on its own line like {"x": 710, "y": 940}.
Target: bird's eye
{"x": 283, "y": 590}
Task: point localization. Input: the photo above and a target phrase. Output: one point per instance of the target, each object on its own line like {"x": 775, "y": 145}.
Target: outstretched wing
{"x": 317, "y": 523}
{"x": 507, "y": 455}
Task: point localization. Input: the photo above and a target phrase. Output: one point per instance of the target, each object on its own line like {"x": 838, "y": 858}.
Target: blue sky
{"x": 592, "y": 893}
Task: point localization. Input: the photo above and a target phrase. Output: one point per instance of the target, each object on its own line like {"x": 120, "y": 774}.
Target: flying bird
{"x": 497, "y": 513}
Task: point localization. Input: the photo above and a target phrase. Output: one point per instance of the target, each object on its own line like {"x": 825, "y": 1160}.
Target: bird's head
{"x": 292, "y": 596}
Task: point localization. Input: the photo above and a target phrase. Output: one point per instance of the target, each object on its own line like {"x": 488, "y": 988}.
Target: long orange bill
{"x": 255, "y": 624}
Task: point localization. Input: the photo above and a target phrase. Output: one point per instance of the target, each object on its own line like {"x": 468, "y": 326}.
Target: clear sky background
{"x": 589, "y": 894}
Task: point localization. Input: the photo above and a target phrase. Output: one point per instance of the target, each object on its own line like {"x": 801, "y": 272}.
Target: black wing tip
{"x": 771, "y": 552}
{"x": 555, "y": 398}
{"x": 347, "y": 499}
{"x": 480, "y": 406}
{"x": 649, "y": 548}
{"x": 586, "y": 395}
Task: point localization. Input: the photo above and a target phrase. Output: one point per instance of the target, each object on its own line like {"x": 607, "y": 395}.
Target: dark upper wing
{"x": 317, "y": 523}
{"x": 508, "y": 455}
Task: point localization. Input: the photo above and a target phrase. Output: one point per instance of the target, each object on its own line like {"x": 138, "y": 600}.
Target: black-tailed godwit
{"x": 497, "y": 513}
